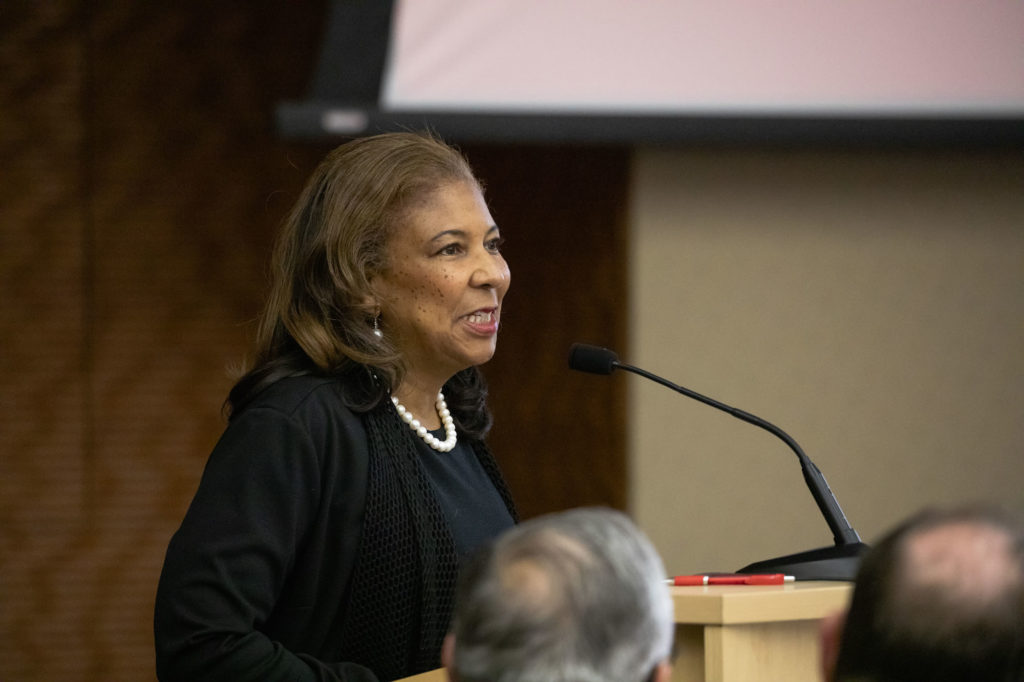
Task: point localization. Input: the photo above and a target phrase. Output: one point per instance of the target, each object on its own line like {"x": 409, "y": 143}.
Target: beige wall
{"x": 869, "y": 304}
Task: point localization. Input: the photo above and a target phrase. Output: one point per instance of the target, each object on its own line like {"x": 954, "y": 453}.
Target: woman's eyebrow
{"x": 455, "y": 232}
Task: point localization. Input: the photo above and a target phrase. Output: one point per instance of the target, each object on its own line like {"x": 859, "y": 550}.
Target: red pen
{"x": 732, "y": 579}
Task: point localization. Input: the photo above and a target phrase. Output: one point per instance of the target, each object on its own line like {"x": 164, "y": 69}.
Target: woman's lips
{"x": 483, "y": 321}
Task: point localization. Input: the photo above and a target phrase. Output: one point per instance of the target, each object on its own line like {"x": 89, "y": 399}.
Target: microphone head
{"x": 593, "y": 359}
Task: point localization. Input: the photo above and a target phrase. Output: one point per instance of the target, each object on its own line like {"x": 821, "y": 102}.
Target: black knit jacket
{"x": 314, "y": 549}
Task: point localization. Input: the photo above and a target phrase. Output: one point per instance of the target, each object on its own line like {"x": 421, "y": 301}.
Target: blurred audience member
{"x": 939, "y": 598}
{"x": 577, "y": 596}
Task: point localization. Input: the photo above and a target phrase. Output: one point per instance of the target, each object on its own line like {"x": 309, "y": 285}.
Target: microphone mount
{"x": 838, "y": 562}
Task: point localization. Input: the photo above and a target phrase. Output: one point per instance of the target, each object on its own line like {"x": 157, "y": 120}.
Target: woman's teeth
{"x": 479, "y": 318}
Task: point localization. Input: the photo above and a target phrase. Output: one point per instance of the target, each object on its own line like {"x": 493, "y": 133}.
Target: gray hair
{"x": 577, "y": 596}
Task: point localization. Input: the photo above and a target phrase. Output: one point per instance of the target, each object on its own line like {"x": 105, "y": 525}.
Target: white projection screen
{"x": 959, "y": 58}
{"x": 748, "y": 71}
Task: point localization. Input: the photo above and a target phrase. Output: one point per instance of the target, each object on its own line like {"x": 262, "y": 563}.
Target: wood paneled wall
{"x": 141, "y": 186}
{"x": 560, "y": 435}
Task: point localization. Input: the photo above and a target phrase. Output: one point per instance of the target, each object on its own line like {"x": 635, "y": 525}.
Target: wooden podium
{"x": 438, "y": 675}
{"x": 745, "y": 633}
{"x": 753, "y": 633}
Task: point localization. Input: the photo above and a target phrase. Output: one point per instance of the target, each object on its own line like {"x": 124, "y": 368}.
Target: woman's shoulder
{"x": 308, "y": 409}
{"x": 297, "y": 395}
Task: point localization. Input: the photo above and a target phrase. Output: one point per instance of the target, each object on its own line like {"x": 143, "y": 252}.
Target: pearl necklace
{"x": 446, "y": 418}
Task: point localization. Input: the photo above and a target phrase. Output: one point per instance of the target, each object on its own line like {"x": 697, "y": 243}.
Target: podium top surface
{"x": 737, "y": 604}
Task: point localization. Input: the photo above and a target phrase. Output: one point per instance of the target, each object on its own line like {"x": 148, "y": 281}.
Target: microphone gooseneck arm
{"x": 842, "y": 532}
{"x": 597, "y": 360}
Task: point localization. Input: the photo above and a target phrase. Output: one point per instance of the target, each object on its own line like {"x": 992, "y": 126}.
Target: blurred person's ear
{"x": 448, "y": 657}
{"x": 831, "y": 634}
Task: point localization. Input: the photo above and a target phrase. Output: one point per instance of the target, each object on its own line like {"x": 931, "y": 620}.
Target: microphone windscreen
{"x": 593, "y": 359}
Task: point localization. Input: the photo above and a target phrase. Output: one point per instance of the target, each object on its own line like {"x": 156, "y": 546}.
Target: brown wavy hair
{"x": 318, "y": 316}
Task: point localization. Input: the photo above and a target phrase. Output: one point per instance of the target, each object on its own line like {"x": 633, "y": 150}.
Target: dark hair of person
{"x": 901, "y": 628}
{"x": 318, "y": 317}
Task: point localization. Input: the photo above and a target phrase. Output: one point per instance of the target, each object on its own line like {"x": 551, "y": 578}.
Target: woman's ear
{"x": 371, "y": 300}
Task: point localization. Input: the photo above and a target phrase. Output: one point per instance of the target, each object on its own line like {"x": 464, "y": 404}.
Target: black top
{"x": 273, "y": 573}
{"x": 470, "y": 502}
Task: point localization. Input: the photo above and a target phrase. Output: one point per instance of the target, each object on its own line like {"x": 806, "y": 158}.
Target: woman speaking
{"x": 326, "y": 534}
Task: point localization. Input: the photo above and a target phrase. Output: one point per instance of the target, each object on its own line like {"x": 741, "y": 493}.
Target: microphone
{"x": 838, "y": 562}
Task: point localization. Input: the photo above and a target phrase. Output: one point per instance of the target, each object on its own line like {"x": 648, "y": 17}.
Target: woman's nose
{"x": 491, "y": 270}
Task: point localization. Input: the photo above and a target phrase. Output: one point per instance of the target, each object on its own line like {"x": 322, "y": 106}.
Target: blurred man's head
{"x": 939, "y": 598}
{"x": 578, "y": 595}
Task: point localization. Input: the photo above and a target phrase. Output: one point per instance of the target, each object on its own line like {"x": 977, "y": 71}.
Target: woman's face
{"x": 441, "y": 291}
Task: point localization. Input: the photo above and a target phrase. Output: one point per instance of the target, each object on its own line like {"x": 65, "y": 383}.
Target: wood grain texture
{"x": 142, "y": 186}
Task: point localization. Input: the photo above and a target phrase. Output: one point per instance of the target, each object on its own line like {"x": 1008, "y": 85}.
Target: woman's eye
{"x": 450, "y": 250}
{"x": 494, "y": 245}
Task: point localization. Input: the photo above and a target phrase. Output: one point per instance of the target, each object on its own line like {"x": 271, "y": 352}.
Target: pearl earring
{"x": 376, "y": 329}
